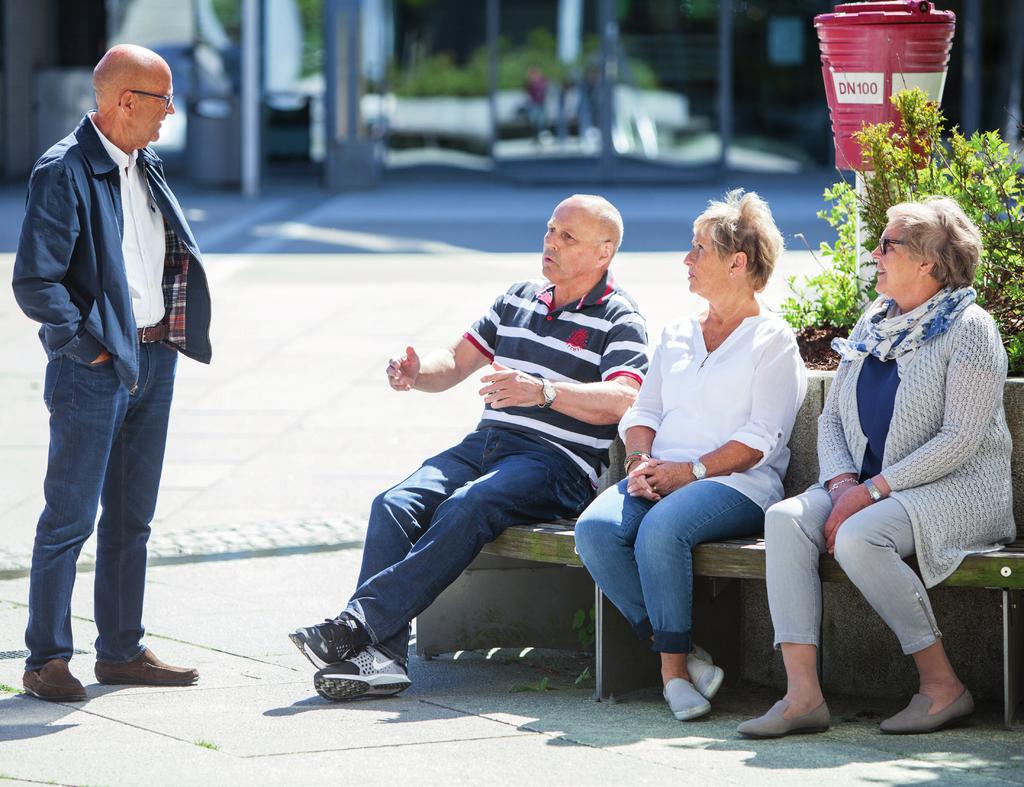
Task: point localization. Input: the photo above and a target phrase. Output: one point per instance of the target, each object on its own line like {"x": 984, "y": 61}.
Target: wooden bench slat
{"x": 743, "y": 558}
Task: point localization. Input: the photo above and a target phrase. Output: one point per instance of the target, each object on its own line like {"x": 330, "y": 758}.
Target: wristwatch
{"x": 698, "y": 469}
{"x": 549, "y": 392}
{"x": 872, "y": 490}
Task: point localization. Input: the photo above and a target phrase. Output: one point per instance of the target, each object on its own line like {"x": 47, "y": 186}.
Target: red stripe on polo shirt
{"x": 480, "y": 347}
{"x": 632, "y": 376}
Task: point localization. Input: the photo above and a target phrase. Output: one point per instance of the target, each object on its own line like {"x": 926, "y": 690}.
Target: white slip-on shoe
{"x": 706, "y": 677}
{"x": 684, "y": 700}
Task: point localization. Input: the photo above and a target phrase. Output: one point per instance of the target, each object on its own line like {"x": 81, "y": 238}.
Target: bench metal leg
{"x": 1013, "y": 655}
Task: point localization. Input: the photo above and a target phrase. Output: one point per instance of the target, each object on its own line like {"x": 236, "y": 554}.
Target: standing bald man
{"x": 107, "y": 263}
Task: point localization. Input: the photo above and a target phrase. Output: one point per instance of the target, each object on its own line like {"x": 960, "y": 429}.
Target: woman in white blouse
{"x": 705, "y": 444}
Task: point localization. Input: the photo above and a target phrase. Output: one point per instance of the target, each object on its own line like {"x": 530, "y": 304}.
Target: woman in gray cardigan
{"x": 914, "y": 454}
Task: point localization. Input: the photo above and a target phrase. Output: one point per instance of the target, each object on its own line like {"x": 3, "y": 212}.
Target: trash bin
{"x": 870, "y": 51}
{"x": 214, "y": 151}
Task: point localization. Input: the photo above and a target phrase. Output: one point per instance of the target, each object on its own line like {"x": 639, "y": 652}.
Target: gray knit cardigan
{"x": 947, "y": 455}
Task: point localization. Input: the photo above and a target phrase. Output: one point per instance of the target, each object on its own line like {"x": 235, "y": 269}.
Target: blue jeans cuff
{"x": 672, "y": 642}
{"x": 643, "y": 630}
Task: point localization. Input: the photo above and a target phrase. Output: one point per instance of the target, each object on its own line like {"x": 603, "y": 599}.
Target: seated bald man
{"x": 107, "y": 263}
{"x": 567, "y": 356}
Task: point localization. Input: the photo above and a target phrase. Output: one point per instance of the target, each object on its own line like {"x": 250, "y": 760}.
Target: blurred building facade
{"x": 535, "y": 90}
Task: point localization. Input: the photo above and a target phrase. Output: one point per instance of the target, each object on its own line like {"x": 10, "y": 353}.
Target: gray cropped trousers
{"x": 870, "y": 547}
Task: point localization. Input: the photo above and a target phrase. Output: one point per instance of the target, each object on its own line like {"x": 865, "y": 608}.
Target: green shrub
{"x": 835, "y": 297}
{"x": 909, "y": 161}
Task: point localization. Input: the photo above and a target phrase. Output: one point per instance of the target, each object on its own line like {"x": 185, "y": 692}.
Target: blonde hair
{"x": 937, "y": 229}
{"x": 743, "y": 222}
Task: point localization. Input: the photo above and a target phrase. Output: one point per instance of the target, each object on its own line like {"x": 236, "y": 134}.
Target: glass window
{"x": 437, "y": 108}
{"x": 666, "y": 81}
{"x": 169, "y": 29}
{"x": 549, "y": 91}
{"x": 780, "y": 116}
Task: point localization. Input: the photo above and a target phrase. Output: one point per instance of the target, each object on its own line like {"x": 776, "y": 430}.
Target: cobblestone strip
{"x": 242, "y": 541}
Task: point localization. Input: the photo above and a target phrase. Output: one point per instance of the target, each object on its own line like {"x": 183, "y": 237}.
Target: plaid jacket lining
{"x": 174, "y": 281}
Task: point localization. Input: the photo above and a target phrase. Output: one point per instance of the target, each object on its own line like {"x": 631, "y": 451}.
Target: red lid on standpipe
{"x": 870, "y": 51}
{"x": 885, "y": 13}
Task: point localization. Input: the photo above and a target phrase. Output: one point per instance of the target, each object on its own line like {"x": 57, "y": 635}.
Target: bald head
{"x": 127, "y": 67}
{"x": 607, "y": 215}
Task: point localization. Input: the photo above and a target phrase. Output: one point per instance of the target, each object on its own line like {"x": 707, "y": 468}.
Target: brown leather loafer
{"x": 54, "y": 682}
{"x": 144, "y": 670}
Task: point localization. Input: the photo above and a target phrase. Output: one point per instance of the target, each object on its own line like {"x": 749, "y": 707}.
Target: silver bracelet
{"x": 839, "y": 483}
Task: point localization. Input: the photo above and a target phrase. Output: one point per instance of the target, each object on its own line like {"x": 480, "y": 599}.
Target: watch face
{"x": 699, "y": 471}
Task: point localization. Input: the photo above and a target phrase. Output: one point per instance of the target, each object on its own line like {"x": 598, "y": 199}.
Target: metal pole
{"x": 724, "y": 80}
{"x": 250, "y": 99}
{"x": 493, "y": 31}
{"x": 861, "y": 189}
{"x": 970, "y": 75}
{"x": 609, "y": 26}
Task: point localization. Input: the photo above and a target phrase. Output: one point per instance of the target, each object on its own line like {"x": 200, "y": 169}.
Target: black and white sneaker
{"x": 329, "y": 642}
{"x": 369, "y": 672}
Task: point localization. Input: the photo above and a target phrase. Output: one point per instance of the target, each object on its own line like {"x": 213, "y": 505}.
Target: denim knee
{"x": 654, "y": 543}
{"x": 591, "y": 534}
{"x": 393, "y": 505}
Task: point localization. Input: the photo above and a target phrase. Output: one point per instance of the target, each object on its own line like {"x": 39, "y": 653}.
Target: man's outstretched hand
{"x": 511, "y": 388}
{"x": 403, "y": 370}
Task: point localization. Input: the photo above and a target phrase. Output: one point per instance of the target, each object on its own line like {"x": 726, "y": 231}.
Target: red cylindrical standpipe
{"x": 870, "y": 51}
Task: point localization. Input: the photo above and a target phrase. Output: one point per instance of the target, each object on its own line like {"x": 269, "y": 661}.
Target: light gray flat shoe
{"x": 706, "y": 677}
{"x": 773, "y": 725}
{"x": 915, "y": 718}
{"x": 684, "y": 700}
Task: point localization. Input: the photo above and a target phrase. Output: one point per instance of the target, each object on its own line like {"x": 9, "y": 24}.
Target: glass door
{"x": 665, "y": 64}
{"x": 549, "y": 89}
{"x": 437, "y": 109}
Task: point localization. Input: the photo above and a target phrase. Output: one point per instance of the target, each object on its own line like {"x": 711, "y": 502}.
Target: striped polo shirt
{"x": 599, "y": 337}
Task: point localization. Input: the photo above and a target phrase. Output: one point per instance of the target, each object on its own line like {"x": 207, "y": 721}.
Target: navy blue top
{"x": 69, "y": 271}
{"x": 876, "y": 394}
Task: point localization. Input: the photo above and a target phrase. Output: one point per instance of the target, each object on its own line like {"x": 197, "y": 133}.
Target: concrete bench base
{"x": 527, "y": 585}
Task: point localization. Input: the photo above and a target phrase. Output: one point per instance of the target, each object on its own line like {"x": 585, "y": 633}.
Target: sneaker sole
{"x": 713, "y": 687}
{"x": 340, "y": 689}
{"x": 300, "y": 643}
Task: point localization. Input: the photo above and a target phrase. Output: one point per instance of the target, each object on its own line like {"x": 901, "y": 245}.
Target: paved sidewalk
{"x": 471, "y": 718}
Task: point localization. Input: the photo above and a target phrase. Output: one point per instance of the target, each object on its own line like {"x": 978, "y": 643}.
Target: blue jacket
{"x": 69, "y": 272}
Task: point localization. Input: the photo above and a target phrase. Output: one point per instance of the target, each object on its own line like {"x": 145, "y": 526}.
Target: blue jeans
{"x": 106, "y": 446}
{"x": 640, "y": 553}
{"x": 425, "y": 531}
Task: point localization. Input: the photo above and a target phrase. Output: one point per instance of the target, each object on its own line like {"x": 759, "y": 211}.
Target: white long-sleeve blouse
{"x": 749, "y": 390}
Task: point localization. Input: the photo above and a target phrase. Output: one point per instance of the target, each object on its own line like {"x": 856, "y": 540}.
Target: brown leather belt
{"x": 153, "y": 333}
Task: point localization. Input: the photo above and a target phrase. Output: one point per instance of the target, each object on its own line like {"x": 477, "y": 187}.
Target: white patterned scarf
{"x": 890, "y": 337}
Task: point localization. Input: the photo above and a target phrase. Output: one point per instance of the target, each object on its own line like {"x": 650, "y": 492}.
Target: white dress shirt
{"x": 749, "y": 390}
{"x": 142, "y": 240}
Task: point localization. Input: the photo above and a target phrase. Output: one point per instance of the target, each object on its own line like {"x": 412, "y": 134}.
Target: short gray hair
{"x": 606, "y": 213}
{"x": 743, "y": 222}
{"x": 938, "y": 230}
